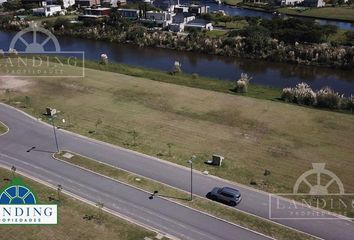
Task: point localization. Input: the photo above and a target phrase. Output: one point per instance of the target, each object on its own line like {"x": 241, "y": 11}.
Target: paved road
{"x": 26, "y": 133}
{"x": 160, "y": 214}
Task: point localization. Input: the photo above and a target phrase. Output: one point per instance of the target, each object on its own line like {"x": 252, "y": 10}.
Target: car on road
{"x": 225, "y": 195}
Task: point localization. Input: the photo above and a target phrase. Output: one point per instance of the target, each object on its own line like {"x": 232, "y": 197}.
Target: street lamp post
{"x": 55, "y": 133}
{"x": 191, "y": 164}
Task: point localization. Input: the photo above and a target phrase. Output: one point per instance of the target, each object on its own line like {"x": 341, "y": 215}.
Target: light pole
{"x": 55, "y": 133}
{"x": 191, "y": 164}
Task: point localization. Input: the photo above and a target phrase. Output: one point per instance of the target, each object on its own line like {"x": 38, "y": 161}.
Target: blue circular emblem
{"x": 17, "y": 194}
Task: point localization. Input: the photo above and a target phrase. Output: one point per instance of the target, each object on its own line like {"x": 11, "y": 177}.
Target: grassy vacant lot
{"x": 3, "y": 129}
{"x": 234, "y": 25}
{"x": 252, "y": 134}
{"x": 71, "y": 225}
{"x": 230, "y": 214}
{"x": 337, "y": 13}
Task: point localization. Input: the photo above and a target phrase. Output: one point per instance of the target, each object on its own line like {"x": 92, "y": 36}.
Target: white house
{"x": 199, "y": 24}
{"x": 48, "y": 10}
{"x": 290, "y": 2}
{"x": 66, "y": 3}
{"x": 183, "y": 17}
{"x": 162, "y": 18}
{"x": 113, "y": 3}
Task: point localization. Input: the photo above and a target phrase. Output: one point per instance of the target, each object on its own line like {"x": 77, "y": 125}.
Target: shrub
{"x": 303, "y": 94}
{"x": 195, "y": 75}
{"x": 328, "y": 98}
{"x": 104, "y": 59}
{"x": 176, "y": 68}
{"x": 242, "y": 83}
{"x": 287, "y": 95}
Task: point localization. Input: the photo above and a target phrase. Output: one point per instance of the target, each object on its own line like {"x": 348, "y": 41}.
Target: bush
{"x": 287, "y": 95}
{"x": 328, "y": 98}
{"x": 303, "y": 94}
{"x": 176, "y": 68}
{"x": 242, "y": 83}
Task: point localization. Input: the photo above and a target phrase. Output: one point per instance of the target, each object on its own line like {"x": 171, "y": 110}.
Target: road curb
{"x": 166, "y": 199}
{"x": 130, "y": 220}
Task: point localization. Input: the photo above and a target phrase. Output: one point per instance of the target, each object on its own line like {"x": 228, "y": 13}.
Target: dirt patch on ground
{"x": 14, "y": 84}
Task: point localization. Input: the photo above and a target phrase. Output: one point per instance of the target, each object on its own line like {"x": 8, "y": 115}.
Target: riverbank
{"x": 338, "y": 13}
{"x": 327, "y": 13}
{"x": 297, "y": 46}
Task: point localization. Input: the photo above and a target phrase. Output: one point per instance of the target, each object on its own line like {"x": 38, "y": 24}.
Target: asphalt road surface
{"x": 26, "y": 132}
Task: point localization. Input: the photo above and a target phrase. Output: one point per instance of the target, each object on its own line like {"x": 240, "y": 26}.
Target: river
{"x": 264, "y": 73}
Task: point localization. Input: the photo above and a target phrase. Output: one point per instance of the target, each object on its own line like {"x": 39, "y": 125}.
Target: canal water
{"x": 264, "y": 73}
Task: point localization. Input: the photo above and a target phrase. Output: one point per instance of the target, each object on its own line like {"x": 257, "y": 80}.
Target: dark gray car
{"x": 225, "y": 195}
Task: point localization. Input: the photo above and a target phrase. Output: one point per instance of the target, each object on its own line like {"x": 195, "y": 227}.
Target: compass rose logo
{"x": 34, "y": 44}
{"x": 320, "y": 187}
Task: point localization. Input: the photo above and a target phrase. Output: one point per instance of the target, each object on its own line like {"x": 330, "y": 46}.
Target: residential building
{"x": 66, "y": 3}
{"x": 95, "y": 13}
{"x": 198, "y": 9}
{"x": 87, "y": 3}
{"x": 39, "y": 3}
{"x": 49, "y": 10}
{"x": 314, "y": 3}
{"x": 113, "y": 3}
{"x": 161, "y": 18}
{"x": 180, "y": 8}
{"x": 183, "y": 17}
{"x": 290, "y": 2}
{"x": 129, "y": 13}
{"x": 199, "y": 24}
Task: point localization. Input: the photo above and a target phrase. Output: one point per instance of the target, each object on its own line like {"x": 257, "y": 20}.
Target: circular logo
{"x": 17, "y": 193}
{"x": 318, "y": 188}
{"x": 33, "y": 44}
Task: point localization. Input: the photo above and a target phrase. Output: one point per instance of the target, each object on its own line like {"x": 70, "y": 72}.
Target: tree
{"x": 12, "y": 5}
{"x": 257, "y": 38}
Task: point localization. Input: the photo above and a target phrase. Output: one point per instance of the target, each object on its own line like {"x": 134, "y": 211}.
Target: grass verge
{"x": 72, "y": 224}
{"x": 216, "y": 209}
{"x": 3, "y": 128}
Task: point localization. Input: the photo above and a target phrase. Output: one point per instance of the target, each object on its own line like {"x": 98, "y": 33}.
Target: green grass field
{"x": 216, "y": 209}
{"x": 234, "y": 25}
{"x": 71, "y": 225}
{"x": 252, "y": 134}
{"x": 337, "y": 13}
